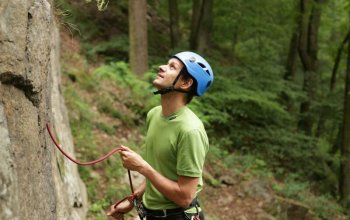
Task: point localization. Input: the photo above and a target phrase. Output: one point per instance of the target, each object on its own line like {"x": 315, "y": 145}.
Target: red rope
{"x": 118, "y": 149}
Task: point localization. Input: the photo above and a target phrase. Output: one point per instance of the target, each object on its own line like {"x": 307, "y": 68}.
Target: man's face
{"x": 167, "y": 73}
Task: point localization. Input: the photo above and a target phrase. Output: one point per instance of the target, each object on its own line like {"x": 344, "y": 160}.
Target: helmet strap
{"x": 172, "y": 87}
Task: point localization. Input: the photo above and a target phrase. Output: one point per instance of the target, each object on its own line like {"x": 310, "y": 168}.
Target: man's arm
{"x": 180, "y": 192}
{"x": 140, "y": 190}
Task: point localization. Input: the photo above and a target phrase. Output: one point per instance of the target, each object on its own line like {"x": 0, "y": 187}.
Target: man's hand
{"x": 132, "y": 160}
{"x": 117, "y": 211}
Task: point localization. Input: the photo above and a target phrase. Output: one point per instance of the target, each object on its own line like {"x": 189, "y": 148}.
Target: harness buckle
{"x": 139, "y": 208}
{"x": 164, "y": 214}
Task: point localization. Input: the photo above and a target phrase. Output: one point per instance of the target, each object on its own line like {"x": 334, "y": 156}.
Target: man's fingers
{"x": 124, "y": 148}
{"x": 124, "y": 153}
{"x": 118, "y": 216}
{"x": 115, "y": 214}
{"x": 111, "y": 211}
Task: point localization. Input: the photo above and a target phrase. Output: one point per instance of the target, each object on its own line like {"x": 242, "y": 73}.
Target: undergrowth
{"x": 113, "y": 91}
{"x": 247, "y": 167}
{"x": 104, "y": 102}
{"x": 251, "y": 113}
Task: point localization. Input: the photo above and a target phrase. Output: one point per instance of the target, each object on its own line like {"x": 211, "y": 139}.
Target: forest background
{"x": 278, "y": 113}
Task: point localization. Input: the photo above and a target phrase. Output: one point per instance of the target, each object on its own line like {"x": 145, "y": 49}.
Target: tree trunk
{"x": 290, "y": 70}
{"x": 322, "y": 118}
{"x": 291, "y": 63}
{"x": 292, "y": 57}
{"x": 205, "y": 26}
{"x": 309, "y": 25}
{"x": 196, "y": 16}
{"x": 337, "y": 61}
{"x": 293, "y": 47}
{"x": 345, "y": 152}
{"x": 138, "y": 52}
{"x": 202, "y": 20}
{"x": 174, "y": 23}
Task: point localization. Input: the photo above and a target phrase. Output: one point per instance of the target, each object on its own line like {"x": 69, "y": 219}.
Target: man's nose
{"x": 162, "y": 68}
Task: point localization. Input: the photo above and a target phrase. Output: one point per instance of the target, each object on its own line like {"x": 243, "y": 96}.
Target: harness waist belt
{"x": 169, "y": 212}
{"x": 164, "y": 212}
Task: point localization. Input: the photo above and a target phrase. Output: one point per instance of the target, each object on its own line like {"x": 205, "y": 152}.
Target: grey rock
{"x": 35, "y": 183}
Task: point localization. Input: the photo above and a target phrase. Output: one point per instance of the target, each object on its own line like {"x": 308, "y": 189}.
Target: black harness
{"x": 163, "y": 213}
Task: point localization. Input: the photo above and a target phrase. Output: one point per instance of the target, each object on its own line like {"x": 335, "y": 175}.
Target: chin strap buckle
{"x": 164, "y": 91}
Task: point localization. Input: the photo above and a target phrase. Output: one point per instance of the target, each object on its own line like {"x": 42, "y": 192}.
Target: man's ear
{"x": 186, "y": 83}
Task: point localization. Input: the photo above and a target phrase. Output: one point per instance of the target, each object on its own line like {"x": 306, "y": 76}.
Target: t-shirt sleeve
{"x": 192, "y": 149}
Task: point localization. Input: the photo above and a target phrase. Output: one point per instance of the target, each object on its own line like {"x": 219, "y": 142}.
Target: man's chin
{"x": 156, "y": 84}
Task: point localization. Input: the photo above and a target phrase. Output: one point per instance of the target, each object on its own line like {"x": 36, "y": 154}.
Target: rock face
{"x": 35, "y": 181}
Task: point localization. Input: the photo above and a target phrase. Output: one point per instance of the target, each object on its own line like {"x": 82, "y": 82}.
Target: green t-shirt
{"x": 175, "y": 146}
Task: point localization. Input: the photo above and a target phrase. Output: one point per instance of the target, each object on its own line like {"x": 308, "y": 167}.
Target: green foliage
{"x": 345, "y": 202}
{"x": 99, "y": 206}
{"x": 81, "y": 122}
{"x": 75, "y": 21}
{"x": 251, "y": 113}
{"x": 292, "y": 188}
{"x": 120, "y": 74}
{"x": 105, "y": 105}
{"x": 253, "y": 28}
{"x": 247, "y": 165}
{"x": 239, "y": 106}
{"x": 95, "y": 27}
{"x": 324, "y": 206}
{"x": 108, "y": 129}
{"x": 84, "y": 173}
{"x": 112, "y": 49}
{"x": 243, "y": 117}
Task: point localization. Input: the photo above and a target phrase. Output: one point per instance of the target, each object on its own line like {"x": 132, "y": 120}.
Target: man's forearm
{"x": 140, "y": 190}
{"x": 181, "y": 192}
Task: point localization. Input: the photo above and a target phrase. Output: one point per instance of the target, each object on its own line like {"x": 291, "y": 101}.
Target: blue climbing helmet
{"x": 198, "y": 68}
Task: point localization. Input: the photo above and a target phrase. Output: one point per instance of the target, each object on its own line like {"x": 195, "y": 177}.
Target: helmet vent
{"x": 204, "y": 68}
{"x": 209, "y": 83}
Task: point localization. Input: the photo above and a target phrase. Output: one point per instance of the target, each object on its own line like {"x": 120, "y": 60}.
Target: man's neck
{"x": 171, "y": 103}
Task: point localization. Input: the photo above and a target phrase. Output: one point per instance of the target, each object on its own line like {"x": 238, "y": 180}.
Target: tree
{"x": 174, "y": 23}
{"x": 293, "y": 52}
{"x": 337, "y": 61}
{"x": 345, "y": 151}
{"x": 310, "y": 13}
{"x": 201, "y": 24}
{"x": 322, "y": 117}
{"x": 291, "y": 63}
{"x": 138, "y": 52}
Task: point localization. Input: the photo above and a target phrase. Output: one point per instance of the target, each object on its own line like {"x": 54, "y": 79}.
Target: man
{"x": 176, "y": 144}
